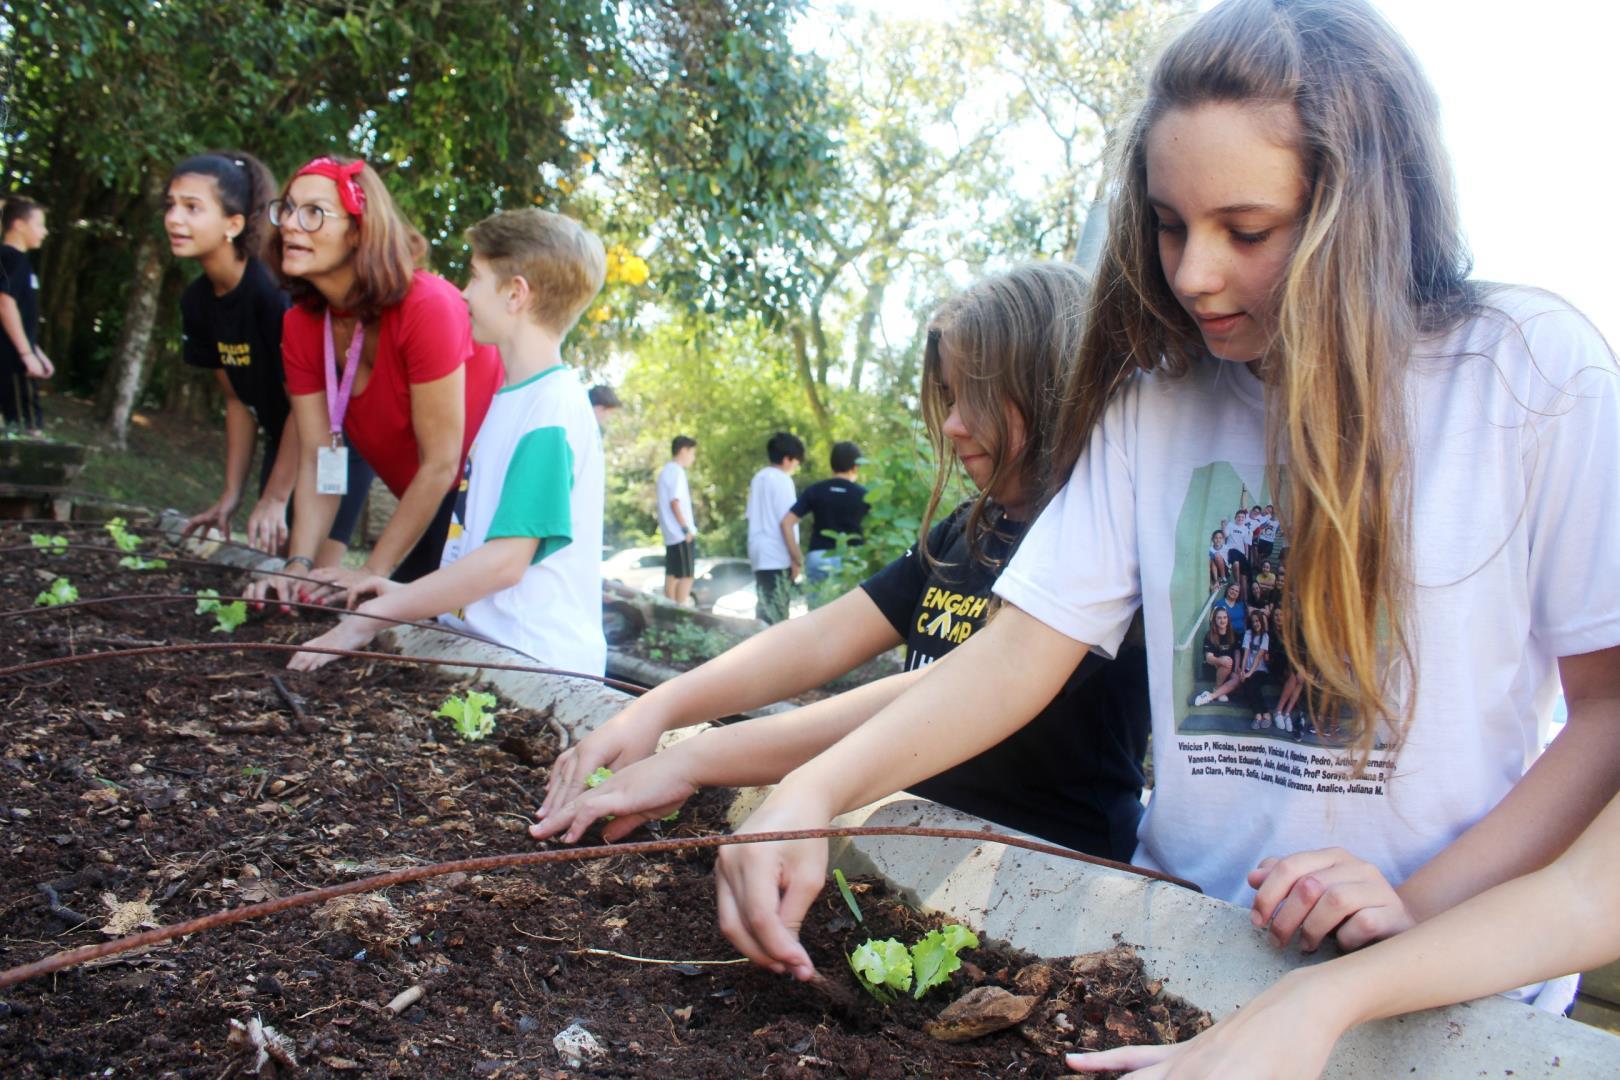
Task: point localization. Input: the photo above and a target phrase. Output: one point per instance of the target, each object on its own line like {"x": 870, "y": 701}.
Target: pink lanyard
{"x": 337, "y": 396}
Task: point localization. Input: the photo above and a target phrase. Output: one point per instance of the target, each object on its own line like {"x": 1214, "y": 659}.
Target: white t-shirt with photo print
{"x": 1515, "y": 534}
{"x": 535, "y": 470}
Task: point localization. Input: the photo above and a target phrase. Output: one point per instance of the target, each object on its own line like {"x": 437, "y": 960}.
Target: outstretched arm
{"x": 1478, "y": 947}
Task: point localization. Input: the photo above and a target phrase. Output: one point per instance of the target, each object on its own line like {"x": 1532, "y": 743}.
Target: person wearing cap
{"x": 380, "y": 361}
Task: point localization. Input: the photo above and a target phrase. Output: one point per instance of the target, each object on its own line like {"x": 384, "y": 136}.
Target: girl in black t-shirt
{"x": 214, "y": 211}
{"x": 995, "y": 356}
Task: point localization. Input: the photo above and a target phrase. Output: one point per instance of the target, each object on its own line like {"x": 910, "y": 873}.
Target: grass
{"x": 171, "y": 461}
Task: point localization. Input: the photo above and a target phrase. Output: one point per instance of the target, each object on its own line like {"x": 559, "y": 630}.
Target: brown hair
{"x": 388, "y": 252}
{"x": 562, "y": 261}
{"x": 1380, "y": 260}
{"x": 243, "y": 185}
{"x": 1011, "y": 340}
{"x": 16, "y": 208}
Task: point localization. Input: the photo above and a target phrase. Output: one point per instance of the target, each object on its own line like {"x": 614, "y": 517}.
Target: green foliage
{"x": 934, "y": 958}
{"x": 886, "y": 968}
{"x": 848, "y": 895}
{"x": 883, "y": 968}
{"x": 685, "y": 642}
{"x": 139, "y": 562}
{"x": 227, "y": 617}
{"x": 467, "y": 716}
{"x": 52, "y": 545}
{"x": 598, "y": 777}
{"x": 122, "y": 538}
{"x": 60, "y": 592}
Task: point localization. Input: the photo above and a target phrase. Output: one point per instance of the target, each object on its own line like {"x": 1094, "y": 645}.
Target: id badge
{"x": 332, "y": 470}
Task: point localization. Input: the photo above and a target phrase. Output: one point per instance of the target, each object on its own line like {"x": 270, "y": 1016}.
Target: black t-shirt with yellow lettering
{"x": 241, "y": 333}
{"x": 1073, "y": 775}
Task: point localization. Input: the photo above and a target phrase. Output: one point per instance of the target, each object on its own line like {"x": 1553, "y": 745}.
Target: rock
{"x": 576, "y": 1045}
{"x": 983, "y": 1010}
{"x": 1036, "y": 980}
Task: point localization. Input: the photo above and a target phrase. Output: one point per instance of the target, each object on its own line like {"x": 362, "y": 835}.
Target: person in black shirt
{"x": 231, "y": 316}
{"x": 995, "y": 357}
{"x": 838, "y": 504}
{"x": 22, "y": 222}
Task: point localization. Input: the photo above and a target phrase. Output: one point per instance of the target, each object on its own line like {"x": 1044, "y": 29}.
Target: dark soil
{"x": 182, "y": 782}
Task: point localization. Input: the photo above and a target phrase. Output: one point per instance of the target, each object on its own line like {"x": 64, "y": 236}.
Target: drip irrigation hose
{"x": 171, "y": 598}
{"x": 275, "y": 646}
{"x": 148, "y": 529}
{"x": 74, "y": 957}
{"x": 185, "y": 559}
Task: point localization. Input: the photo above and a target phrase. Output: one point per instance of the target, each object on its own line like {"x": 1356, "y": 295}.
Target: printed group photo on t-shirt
{"x": 1233, "y": 670}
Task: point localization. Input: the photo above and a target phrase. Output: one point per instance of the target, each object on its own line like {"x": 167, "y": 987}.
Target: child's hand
{"x": 351, "y": 632}
{"x": 371, "y": 585}
{"x": 762, "y": 891}
{"x": 1284, "y": 1034}
{"x": 1331, "y": 891}
{"x": 267, "y": 525}
{"x": 652, "y": 788}
{"x": 623, "y": 740}
{"x": 331, "y": 584}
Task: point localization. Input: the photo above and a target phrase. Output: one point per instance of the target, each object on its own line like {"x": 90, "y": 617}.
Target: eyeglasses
{"x": 309, "y": 217}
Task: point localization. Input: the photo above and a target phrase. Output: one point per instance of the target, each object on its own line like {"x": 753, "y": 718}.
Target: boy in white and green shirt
{"x": 522, "y": 565}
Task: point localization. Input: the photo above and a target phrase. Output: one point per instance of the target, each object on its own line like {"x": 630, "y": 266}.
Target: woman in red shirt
{"x": 379, "y": 361}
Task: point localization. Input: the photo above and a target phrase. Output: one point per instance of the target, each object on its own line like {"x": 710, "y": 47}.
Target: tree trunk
{"x": 807, "y": 378}
{"x": 123, "y": 386}
{"x": 870, "y": 309}
{"x": 61, "y": 262}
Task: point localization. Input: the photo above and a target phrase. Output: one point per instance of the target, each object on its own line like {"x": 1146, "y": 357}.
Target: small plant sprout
{"x": 60, "y": 592}
{"x": 122, "y": 538}
{"x": 934, "y": 958}
{"x": 467, "y": 715}
{"x": 138, "y": 562}
{"x": 51, "y": 545}
{"x": 883, "y": 968}
{"x": 849, "y": 896}
{"x": 227, "y": 617}
{"x": 886, "y": 968}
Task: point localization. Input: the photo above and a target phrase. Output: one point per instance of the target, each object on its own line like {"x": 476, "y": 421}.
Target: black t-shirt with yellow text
{"x": 1073, "y": 775}
{"x": 241, "y": 333}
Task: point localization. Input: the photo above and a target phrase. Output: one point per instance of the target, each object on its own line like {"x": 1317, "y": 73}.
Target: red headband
{"x": 349, "y": 193}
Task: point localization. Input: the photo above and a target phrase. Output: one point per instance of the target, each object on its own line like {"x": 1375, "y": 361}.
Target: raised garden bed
{"x": 159, "y": 788}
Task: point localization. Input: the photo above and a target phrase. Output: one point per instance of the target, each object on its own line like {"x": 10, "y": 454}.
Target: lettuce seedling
{"x": 467, "y": 714}
{"x": 934, "y": 958}
{"x": 137, "y": 562}
{"x": 227, "y": 617}
{"x": 60, "y": 592}
{"x": 883, "y": 968}
{"x": 51, "y": 545}
{"x": 122, "y": 538}
{"x": 599, "y": 776}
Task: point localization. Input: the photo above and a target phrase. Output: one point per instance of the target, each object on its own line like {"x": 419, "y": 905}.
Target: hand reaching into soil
{"x": 1326, "y": 892}
{"x": 627, "y": 738}
{"x": 1286, "y": 1033}
{"x": 217, "y": 517}
{"x": 267, "y": 525}
{"x": 654, "y": 787}
{"x": 341, "y": 584}
{"x": 762, "y": 891}
{"x": 352, "y": 632}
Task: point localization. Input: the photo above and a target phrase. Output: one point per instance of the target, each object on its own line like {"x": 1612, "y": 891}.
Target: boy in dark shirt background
{"x": 21, "y": 359}
{"x": 838, "y": 504}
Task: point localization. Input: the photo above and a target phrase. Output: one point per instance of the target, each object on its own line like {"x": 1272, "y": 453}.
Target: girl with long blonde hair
{"x": 1284, "y": 309}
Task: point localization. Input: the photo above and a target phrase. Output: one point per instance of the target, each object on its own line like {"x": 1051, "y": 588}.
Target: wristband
{"x": 309, "y": 563}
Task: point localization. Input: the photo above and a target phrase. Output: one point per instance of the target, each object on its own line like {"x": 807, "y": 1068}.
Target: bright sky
{"x": 1528, "y": 89}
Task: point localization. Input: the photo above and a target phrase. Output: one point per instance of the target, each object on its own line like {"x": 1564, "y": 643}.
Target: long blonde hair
{"x": 1012, "y": 340}
{"x": 1379, "y": 262}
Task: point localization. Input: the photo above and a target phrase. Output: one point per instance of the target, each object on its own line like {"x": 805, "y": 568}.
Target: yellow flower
{"x": 600, "y": 313}
{"x": 586, "y": 157}
{"x": 635, "y": 270}
{"x": 564, "y": 185}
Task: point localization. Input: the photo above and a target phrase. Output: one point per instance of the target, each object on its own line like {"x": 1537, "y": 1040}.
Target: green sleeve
{"x": 534, "y": 496}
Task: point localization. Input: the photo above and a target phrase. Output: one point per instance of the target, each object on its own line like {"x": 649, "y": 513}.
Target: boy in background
{"x": 771, "y": 496}
{"x": 838, "y": 505}
{"x": 675, "y": 519}
{"x": 523, "y": 562}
